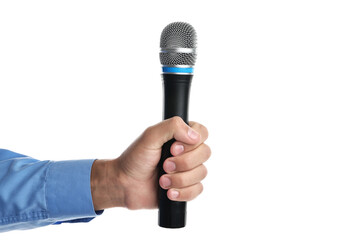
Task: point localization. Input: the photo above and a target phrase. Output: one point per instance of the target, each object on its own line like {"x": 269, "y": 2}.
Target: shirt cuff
{"x": 68, "y": 190}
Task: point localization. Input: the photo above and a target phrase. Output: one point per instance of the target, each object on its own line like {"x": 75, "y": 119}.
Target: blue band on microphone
{"x": 177, "y": 70}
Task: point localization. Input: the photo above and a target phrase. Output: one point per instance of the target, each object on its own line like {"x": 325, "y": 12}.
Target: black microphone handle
{"x": 172, "y": 214}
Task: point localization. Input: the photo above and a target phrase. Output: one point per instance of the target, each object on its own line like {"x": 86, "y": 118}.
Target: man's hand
{"x": 131, "y": 180}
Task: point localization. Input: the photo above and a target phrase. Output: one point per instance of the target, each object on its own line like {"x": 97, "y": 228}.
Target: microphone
{"x": 177, "y": 57}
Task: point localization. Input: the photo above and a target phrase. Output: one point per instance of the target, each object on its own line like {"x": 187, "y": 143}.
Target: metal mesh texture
{"x": 174, "y": 36}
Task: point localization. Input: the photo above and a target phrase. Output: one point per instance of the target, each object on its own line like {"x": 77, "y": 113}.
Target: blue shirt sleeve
{"x": 37, "y": 193}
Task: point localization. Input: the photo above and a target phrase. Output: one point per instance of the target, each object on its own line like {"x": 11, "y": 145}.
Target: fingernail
{"x": 192, "y": 134}
{"x": 169, "y": 166}
{"x": 173, "y": 194}
{"x": 165, "y": 182}
{"x": 178, "y": 148}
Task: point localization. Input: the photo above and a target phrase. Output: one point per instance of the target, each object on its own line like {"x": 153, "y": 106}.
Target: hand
{"x": 131, "y": 180}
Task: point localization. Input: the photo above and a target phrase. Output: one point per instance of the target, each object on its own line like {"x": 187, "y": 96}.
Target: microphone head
{"x": 178, "y": 45}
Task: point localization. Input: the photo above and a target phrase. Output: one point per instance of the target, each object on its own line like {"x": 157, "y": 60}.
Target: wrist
{"x": 106, "y": 188}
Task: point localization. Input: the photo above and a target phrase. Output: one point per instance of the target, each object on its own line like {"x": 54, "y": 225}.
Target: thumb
{"x": 155, "y": 136}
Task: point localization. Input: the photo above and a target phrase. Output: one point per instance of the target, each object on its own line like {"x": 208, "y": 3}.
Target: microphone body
{"x": 177, "y": 56}
{"x": 172, "y": 214}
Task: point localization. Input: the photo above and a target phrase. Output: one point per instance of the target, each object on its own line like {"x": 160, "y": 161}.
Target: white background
{"x": 276, "y": 83}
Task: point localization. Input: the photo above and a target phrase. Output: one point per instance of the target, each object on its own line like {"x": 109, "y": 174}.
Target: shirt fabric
{"x": 37, "y": 193}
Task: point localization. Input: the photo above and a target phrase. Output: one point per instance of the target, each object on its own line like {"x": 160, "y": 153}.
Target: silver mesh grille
{"x": 173, "y": 59}
{"x": 178, "y": 44}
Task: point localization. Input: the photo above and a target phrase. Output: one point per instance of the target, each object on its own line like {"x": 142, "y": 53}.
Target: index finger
{"x": 179, "y": 147}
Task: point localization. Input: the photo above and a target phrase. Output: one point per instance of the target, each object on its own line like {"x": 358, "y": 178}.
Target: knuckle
{"x": 180, "y": 180}
{"x": 205, "y": 171}
{"x": 195, "y": 192}
{"x": 186, "y": 163}
{"x": 191, "y": 195}
{"x": 148, "y": 131}
{"x": 204, "y": 132}
{"x": 207, "y": 151}
{"x": 194, "y": 125}
{"x": 176, "y": 121}
{"x": 201, "y": 129}
{"x": 201, "y": 188}
{"x": 187, "y": 194}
